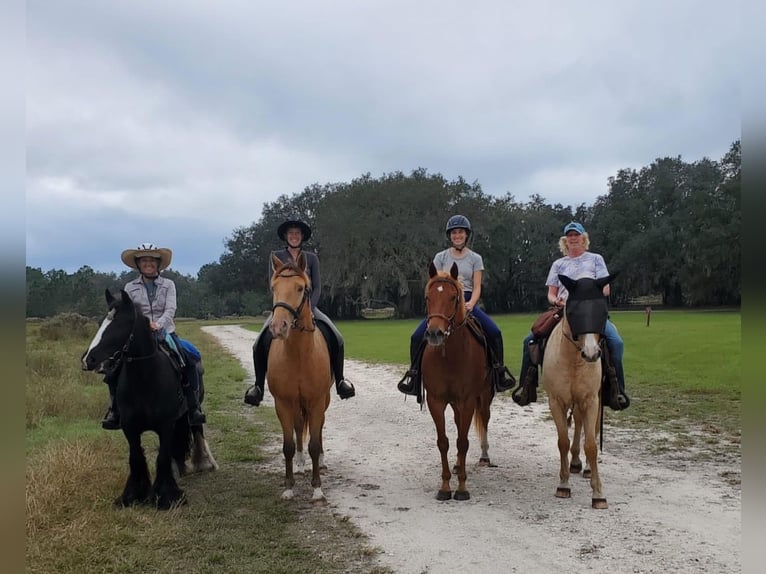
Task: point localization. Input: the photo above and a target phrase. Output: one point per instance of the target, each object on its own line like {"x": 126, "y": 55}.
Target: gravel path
{"x": 677, "y": 513}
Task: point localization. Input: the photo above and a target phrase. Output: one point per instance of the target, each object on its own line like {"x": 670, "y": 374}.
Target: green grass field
{"x": 683, "y": 372}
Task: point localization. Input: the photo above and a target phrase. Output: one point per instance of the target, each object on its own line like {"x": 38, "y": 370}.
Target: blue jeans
{"x": 613, "y": 342}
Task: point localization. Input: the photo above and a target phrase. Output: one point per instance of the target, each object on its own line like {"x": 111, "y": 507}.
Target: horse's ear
{"x": 606, "y": 280}
{"x": 431, "y": 269}
{"x": 568, "y": 283}
{"x": 276, "y": 262}
{"x": 453, "y": 271}
{"x": 302, "y": 263}
{"x": 109, "y": 296}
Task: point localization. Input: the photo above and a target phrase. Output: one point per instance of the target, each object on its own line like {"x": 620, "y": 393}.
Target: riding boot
{"x": 613, "y": 395}
{"x": 527, "y": 391}
{"x": 501, "y": 376}
{"x": 412, "y": 377}
{"x": 343, "y": 386}
{"x": 111, "y": 420}
{"x": 254, "y": 394}
{"x": 190, "y": 387}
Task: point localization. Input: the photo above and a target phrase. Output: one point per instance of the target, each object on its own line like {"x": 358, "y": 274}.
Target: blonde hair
{"x": 564, "y": 248}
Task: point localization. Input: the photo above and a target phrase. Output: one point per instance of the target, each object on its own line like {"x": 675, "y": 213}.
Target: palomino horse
{"x": 298, "y": 371}
{"x": 149, "y": 398}
{"x": 455, "y": 373}
{"x": 571, "y": 376}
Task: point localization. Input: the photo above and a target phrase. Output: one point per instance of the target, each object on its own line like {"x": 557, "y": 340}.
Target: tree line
{"x": 672, "y": 229}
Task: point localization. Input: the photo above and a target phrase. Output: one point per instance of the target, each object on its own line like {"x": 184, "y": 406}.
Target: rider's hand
{"x": 153, "y": 326}
{"x": 469, "y": 306}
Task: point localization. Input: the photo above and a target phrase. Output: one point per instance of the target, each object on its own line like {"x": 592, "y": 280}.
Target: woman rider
{"x": 295, "y": 232}
{"x": 470, "y": 269}
{"x": 155, "y": 297}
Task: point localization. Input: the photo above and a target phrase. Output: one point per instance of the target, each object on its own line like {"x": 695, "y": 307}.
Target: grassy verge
{"x": 235, "y": 521}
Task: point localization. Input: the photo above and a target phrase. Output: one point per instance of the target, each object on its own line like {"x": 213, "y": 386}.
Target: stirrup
{"x": 254, "y": 395}
{"x": 502, "y": 383}
{"x": 345, "y": 389}
{"x": 408, "y": 388}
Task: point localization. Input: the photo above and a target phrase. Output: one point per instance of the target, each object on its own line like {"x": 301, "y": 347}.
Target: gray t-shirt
{"x": 467, "y": 263}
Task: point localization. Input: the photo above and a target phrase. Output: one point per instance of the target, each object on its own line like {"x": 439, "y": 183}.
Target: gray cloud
{"x": 204, "y": 111}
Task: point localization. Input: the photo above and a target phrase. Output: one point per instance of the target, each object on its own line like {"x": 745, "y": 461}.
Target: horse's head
{"x": 586, "y": 312}
{"x": 291, "y": 288}
{"x": 445, "y": 308}
{"x": 113, "y": 335}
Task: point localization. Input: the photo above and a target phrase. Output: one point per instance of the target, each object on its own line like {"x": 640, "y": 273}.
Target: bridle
{"x": 122, "y": 354}
{"x": 451, "y": 326}
{"x": 296, "y": 312}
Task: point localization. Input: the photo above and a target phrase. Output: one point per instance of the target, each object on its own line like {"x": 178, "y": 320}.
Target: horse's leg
{"x": 138, "y": 483}
{"x": 299, "y": 462}
{"x": 437, "y": 414}
{"x": 481, "y": 418}
{"x": 165, "y": 491}
{"x": 463, "y": 423}
{"x": 575, "y": 464}
{"x": 316, "y": 422}
{"x": 558, "y": 412}
{"x": 591, "y": 455}
{"x": 202, "y": 457}
{"x": 286, "y": 412}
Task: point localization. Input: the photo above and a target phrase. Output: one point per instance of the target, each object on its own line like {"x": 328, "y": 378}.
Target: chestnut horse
{"x": 571, "y": 376}
{"x": 455, "y": 373}
{"x": 298, "y": 370}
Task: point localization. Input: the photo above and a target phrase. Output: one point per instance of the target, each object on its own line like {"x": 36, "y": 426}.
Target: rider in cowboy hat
{"x": 294, "y": 232}
{"x": 155, "y": 296}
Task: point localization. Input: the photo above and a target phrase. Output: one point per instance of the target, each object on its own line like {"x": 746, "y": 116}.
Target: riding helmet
{"x": 458, "y": 222}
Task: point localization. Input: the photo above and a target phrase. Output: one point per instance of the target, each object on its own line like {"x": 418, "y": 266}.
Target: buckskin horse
{"x": 571, "y": 376}
{"x": 298, "y": 371}
{"x": 149, "y": 398}
{"x": 455, "y": 373}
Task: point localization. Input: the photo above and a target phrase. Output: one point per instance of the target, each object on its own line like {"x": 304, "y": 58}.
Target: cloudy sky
{"x": 173, "y": 122}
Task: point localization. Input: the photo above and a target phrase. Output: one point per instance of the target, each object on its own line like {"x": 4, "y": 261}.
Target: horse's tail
{"x": 480, "y": 425}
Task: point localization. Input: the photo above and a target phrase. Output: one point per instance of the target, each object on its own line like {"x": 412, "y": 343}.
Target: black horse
{"x": 149, "y": 398}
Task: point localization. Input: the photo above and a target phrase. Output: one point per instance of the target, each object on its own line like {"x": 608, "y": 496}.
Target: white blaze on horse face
{"x": 99, "y": 334}
{"x": 590, "y": 348}
{"x": 440, "y": 288}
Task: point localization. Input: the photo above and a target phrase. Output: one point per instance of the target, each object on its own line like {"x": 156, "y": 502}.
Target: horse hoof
{"x": 599, "y": 503}
{"x": 287, "y": 494}
{"x": 562, "y": 492}
{"x": 462, "y": 495}
{"x": 587, "y": 473}
{"x": 575, "y": 468}
{"x": 444, "y": 495}
{"x": 484, "y": 461}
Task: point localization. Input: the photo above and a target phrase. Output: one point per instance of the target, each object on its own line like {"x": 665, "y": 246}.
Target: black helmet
{"x": 294, "y": 221}
{"x": 459, "y": 222}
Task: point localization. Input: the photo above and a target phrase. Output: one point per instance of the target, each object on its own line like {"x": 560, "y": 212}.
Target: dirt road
{"x": 677, "y": 512}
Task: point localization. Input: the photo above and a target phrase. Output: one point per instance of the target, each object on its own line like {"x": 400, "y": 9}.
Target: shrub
{"x": 67, "y": 325}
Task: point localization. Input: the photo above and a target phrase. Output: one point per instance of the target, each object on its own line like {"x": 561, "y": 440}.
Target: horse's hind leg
{"x": 575, "y": 463}
{"x": 481, "y": 421}
{"x": 165, "y": 490}
{"x": 202, "y": 458}
{"x": 138, "y": 483}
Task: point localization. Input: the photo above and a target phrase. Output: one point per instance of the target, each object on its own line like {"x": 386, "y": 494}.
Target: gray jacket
{"x": 162, "y": 308}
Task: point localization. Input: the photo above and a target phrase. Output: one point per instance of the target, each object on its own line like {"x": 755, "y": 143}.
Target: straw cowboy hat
{"x": 130, "y": 256}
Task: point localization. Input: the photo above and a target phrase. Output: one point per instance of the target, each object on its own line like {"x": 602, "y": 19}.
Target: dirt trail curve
{"x": 667, "y": 513}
